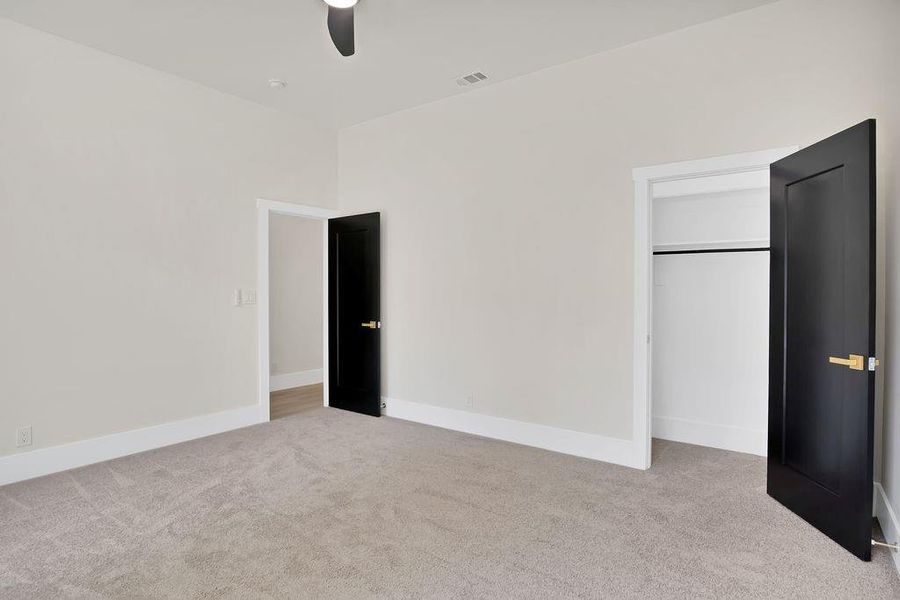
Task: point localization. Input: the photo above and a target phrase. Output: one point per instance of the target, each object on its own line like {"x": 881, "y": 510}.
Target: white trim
{"x": 27, "y": 465}
{"x": 296, "y": 210}
{"x": 644, "y": 180}
{"x": 286, "y": 381}
{"x": 714, "y": 165}
{"x": 724, "y": 437}
{"x": 890, "y": 526}
{"x": 566, "y": 441}
{"x": 711, "y": 184}
{"x": 718, "y": 245}
{"x": 264, "y": 209}
{"x": 643, "y": 273}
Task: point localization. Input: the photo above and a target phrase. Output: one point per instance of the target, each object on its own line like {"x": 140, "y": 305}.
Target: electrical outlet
{"x": 470, "y": 400}
{"x": 23, "y": 436}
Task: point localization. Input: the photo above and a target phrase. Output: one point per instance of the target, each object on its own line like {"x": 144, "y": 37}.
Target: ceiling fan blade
{"x": 340, "y": 26}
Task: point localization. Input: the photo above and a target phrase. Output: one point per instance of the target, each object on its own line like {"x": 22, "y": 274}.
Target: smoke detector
{"x": 471, "y": 78}
{"x": 277, "y": 84}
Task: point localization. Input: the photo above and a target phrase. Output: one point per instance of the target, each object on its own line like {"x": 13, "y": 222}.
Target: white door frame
{"x": 265, "y": 208}
{"x": 694, "y": 176}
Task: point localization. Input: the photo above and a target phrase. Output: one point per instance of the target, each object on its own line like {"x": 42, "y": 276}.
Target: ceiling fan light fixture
{"x": 340, "y": 25}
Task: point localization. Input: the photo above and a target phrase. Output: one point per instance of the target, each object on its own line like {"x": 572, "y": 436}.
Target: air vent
{"x": 471, "y": 78}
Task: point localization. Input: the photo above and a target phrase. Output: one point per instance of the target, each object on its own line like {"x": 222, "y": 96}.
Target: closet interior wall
{"x": 710, "y": 317}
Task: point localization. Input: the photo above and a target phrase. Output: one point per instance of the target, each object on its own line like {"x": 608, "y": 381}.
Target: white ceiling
{"x": 408, "y": 52}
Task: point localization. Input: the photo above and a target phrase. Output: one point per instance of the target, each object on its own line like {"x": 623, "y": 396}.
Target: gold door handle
{"x": 372, "y": 325}
{"x": 855, "y": 361}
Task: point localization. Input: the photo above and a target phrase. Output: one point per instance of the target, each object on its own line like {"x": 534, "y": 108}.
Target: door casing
{"x": 265, "y": 208}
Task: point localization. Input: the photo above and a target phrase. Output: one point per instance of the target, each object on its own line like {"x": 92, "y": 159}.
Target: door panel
{"x": 821, "y": 413}
{"x": 812, "y": 444}
{"x": 354, "y": 322}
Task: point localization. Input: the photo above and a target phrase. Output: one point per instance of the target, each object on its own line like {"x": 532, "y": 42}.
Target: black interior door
{"x": 354, "y": 313}
{"x": 822, "y": 336}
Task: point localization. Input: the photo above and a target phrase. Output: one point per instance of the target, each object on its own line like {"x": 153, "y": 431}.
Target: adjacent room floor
{"x": 288, "y": 402}
{"x": 330, "y": 504}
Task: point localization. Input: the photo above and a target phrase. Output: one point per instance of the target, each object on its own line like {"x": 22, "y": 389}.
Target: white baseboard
{"x": 566, "y": 441}
{"x": 27, "y": 465}
{"x": 888, "y": 521}
{"x": 286, "y": 381}
{"x": 724, "y": 437}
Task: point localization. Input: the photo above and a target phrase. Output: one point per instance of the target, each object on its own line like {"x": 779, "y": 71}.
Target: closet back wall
{"x": 711, "y": 318}
{"x": 710, "y": 349}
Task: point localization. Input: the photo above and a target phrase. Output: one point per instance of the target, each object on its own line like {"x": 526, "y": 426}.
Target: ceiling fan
{"x": 340, "y": 25}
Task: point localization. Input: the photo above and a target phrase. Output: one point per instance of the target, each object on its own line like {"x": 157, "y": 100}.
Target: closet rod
{"x": 709, "y": 251}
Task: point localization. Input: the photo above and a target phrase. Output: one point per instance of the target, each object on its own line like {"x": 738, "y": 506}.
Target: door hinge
{"x": 873, "y": 362}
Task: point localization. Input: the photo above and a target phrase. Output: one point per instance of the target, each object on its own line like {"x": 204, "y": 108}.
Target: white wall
{"x": 711, "y": 349}
{"x": 295, "y": 294}
{"x": 889, "y": 136}
{"x": 733, "y": 218}
{"x": 127, "y": 218}
{"x": 508, "y": 215}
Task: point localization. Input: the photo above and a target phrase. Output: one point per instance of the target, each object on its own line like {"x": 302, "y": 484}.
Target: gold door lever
{"x": 372, "y": 324}
{"x": 855, "y": 361}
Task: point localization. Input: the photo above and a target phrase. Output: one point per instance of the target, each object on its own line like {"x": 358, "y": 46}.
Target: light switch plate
{"x": 244, "y": 297}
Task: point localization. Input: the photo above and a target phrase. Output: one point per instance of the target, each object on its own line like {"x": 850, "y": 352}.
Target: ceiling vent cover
{"x": 471, "y": 78}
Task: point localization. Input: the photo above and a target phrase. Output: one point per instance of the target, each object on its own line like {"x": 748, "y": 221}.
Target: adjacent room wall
{"x": 295, "y": 291}
{"x": 127, "y": 219}
{"x": 508, "y": 211}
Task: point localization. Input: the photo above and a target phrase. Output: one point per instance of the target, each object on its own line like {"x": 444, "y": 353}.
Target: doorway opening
{"x": 292, "y": 271}
{"x": 701, "y": 302}
{"x": 296, "y": 298}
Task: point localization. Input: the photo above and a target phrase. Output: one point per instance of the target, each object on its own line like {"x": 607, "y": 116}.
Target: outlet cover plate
{"x": 23, "y": 436}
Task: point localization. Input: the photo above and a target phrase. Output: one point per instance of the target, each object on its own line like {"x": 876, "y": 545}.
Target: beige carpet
{"x": 328, "y": 504}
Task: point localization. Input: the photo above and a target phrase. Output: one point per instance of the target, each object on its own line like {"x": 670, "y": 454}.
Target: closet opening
{"x": 702, "y": 377}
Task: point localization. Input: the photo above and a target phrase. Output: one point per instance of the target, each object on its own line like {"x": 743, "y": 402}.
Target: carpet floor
{"x": 329, "y": 504}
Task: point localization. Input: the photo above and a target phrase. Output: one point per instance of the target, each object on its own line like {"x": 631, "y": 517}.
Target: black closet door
{"x": 822, "y": 335}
